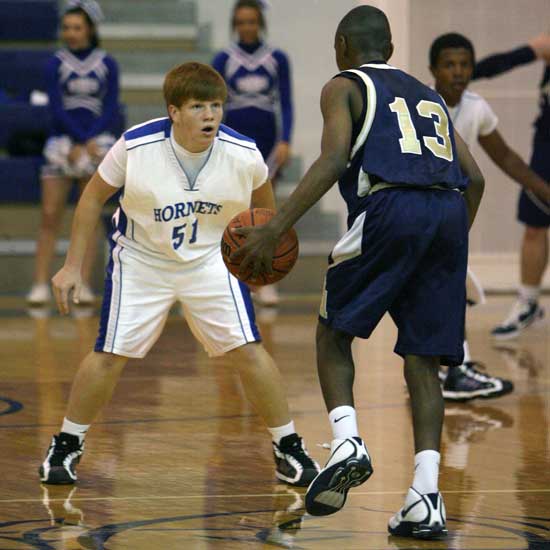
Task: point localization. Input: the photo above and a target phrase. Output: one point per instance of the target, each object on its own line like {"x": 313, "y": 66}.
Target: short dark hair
{"x": 193, "y": 81}
{"x": 450, "y": 40}
{"x": 367, "y": 29}
{"x": 94, "y": 36}
{"x": 252, "y": 4}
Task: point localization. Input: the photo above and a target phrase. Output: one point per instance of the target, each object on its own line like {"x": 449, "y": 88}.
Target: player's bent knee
{"x": 248, "y": 354}
{"x": 108, "y": 361}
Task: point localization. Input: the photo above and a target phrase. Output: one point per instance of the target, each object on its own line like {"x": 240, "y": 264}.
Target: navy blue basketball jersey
{"x": 405, "y": 136}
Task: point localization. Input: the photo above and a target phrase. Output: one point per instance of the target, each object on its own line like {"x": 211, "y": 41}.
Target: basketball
{"x": 285, "y": 255}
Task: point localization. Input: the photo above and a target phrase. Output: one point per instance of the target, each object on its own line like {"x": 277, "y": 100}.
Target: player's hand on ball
{"x": 256, "y": 254}
{"x": 255, "y": 251}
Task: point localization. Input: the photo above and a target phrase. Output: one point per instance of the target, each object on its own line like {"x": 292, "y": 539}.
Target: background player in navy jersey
{"x": 259, "y": 102}
{"x": 82, "y": 85}
{"x": 533, "y": 212}
{"x": 452, "y": 60}
{"x": 388, "y": 141}
{"x": 184, "y": 178}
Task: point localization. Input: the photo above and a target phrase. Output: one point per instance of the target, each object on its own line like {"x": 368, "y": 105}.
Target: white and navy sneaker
{"x": 422, "y": 517}
{"x": 466, "y": 382}
{"x": 63, "y": 455}
{"x": 522, "y": 316}
{"x": 293, "y": 463}
{"x": 349, "y": 465}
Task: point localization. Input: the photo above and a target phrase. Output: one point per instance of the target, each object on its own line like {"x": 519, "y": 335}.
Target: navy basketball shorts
{"x": 406, "y": 254}
{"x": 531, "y": 210}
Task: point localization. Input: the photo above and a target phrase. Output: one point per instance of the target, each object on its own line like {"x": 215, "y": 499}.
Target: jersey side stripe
{"x": 371, "y": 110}
{"x": 230, "y": 133}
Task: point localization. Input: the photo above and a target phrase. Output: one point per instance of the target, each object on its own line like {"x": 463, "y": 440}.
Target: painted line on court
{"x": 265, "y": 495}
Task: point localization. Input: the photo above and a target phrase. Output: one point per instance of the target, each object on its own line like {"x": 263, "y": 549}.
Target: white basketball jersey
{"x": 166, "y": 217}
{"x": 473, "y": 117}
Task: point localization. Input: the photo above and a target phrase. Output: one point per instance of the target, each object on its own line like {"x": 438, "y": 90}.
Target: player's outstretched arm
{"x": 332, "y": 162}
{"x": 86, "y": 217}
{"x": 474, "y": 191}
{"x": 513, "y": 165}
{"x": 497, "y": 64}
{"x": 321, "y": 176}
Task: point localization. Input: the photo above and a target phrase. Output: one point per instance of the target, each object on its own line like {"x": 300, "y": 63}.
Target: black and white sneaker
{"x": 422, "y": 517}
{"x": 522, "y": 316}
{"x": 467, "y": 382}
{"x": 63, "y": 455}
{"x": 348, "y": 466}
{"x": 287, "y": 519}
{"x": 293, "y": 463}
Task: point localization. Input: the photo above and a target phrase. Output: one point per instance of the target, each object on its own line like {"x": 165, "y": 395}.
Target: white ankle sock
{"x": 343, "y": 421}
{"x": 279, "y": 432}
{"x": 75, "y": 429}
{"x": 528, "y": 294}
{"x": 467, "y": 357}
{"x": 426, "y": 471}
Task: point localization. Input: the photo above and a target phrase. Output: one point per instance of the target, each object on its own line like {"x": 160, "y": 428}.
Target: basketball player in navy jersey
{"x": 389, "y": 142}
{"x": 259, "y": 102}
{"x": 533, "y": 212}
{"x": 184, "y": 177}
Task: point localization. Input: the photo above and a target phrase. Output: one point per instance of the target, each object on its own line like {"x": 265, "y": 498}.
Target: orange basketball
{"x": 285, "y": 255}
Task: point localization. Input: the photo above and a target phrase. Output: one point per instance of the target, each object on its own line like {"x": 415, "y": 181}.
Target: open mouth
{"x": 207, "y": 129}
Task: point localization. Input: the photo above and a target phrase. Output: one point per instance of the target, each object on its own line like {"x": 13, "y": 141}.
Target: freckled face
{"x": 196, "y": 123}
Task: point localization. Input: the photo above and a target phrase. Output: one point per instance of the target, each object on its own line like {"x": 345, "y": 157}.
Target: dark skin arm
{"x": 468, "y": 165}
{"x": 512, "y": 165}
{"x": 340, "y": 100}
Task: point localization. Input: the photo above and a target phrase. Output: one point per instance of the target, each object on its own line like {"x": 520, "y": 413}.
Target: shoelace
{"x": 474, "y": 372}
{"x": 298, "y": 451}
{"x": 63, "y": 448}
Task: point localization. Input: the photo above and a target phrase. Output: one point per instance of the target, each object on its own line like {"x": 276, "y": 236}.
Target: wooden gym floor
{"x": 178, "y": 460}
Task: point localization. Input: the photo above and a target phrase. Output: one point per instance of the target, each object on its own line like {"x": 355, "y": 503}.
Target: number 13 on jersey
{"x": 440, "y": 146}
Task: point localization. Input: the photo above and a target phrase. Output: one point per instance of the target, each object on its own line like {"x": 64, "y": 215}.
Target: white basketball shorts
{"x": 138, "y": 298}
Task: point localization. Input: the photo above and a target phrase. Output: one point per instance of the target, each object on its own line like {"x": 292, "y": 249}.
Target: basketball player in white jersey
{"x": 184, "y": 178}
{"x": 452, "y": 61}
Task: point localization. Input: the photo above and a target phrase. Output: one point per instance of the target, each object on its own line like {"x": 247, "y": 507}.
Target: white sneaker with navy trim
{"x": 522, "y": 316}
{"x": 349, "y": 465}
{"x": 422, "y": 517}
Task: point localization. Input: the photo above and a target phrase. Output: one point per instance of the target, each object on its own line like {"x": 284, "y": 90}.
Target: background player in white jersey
{"x": 184, "y": 178}
{"x": 452, "y": 61}
{"x": 82, "y": 86}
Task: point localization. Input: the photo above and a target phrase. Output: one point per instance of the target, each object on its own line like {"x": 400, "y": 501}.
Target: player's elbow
{"x": 477, "y": 182}
{"x": 335, "y": 164}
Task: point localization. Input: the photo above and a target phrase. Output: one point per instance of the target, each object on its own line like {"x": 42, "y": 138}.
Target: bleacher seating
{"x": 19, "y": 118}
{"x": 22, "y": 71}
{"x": 28, "y": 20}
